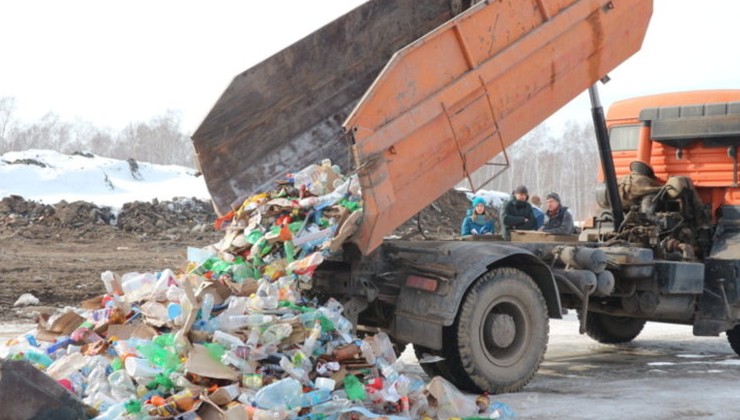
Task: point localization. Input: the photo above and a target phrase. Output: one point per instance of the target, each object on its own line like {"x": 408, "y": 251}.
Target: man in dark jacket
{"x": 517, "y": 213}
{"x": 558, "y": 219}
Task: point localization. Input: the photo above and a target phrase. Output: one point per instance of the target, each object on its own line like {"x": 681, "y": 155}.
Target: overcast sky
{"x": 111, "y": 63}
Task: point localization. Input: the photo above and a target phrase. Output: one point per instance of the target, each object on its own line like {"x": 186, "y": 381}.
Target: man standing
{"x": 558, "y": 219}
{"x": 517, "y": 214}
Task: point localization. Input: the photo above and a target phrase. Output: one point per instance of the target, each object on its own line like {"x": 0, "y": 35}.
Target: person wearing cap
{"x": 558, "y": 219}
{"x": 478, "y": 221}
{"x": 517, "y": 213}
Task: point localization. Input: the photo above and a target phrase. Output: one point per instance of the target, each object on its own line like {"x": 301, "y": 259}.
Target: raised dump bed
{"x": 444, "y": 105}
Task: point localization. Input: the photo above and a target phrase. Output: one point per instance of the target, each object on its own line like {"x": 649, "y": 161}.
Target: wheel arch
{"x": 420, "y": 317}
{"x": 539, "y": 272}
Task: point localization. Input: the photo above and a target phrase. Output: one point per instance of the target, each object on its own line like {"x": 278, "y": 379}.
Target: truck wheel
{"x": 733, "y": 337}
{"x": 500, "y": 336}
{"x": 609, "y": 329}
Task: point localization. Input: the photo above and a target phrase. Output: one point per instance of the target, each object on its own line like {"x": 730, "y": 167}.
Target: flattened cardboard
{"x": 123, "y": 332}
{"x": 62, "y": 325}
{"x": 224, "y": 395}
{"x": 202, "y": 364}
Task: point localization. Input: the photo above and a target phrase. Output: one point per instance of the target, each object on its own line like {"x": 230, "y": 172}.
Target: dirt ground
{"x": 57, "y": 253}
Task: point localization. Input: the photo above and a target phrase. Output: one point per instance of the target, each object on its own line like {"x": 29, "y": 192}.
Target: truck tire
{"x": 609, "y": 329}
{"x": 733, "y": 337}
{"x": 500, "y": 335}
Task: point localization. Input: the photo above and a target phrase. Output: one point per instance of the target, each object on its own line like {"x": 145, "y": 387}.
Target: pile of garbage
{"x": 233, "y": 335}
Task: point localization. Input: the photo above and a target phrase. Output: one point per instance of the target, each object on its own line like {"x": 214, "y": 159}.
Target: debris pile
{"x": 234, "y": 334}
{"x": 174, "y": 218}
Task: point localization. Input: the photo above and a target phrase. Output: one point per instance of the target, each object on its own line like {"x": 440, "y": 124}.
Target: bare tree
{"x": 158, "y": 141}
{"x": 546, "y": 161}
{"x": 7, "y": 109}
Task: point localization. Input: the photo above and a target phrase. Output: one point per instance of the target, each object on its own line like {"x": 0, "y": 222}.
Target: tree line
{"x": 158, "y": 140}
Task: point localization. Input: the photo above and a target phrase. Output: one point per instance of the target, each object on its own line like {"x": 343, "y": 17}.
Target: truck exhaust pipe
{"x": 605, "y": 152}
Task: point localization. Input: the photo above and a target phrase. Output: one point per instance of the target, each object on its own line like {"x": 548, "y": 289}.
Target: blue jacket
{"x": 479, "y": 222}
{"x": 539, "y": 217}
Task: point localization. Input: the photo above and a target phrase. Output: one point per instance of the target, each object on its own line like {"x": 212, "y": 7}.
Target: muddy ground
{"x": 58, "y": 252}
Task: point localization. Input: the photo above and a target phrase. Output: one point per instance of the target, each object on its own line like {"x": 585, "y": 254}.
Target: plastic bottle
{"x": 266, "y": 297}
{"x": 500, "y": 411}
{"x": 97, "y": 380}
{"x": 37, "y": 358}
{"x": 253, "y": 338}
{"x": 234, "y": 322}
{"x": 136, "y": 286}
{"x": 252, "y": 380}
{"x": 354, "y": 388}
{"x": 275, "y": 333}
{"x": 387, "y": 370}
{"x": 174, "y": 312}
{"x": 334, "y": 406}
{"x": 240, "y": 272}
{"x": 159, "y": 356}
{"x": 61, "y": 342}
{"x": 310, "y": 178}
{"x": 315, "y": 397}
{"x": 310, "y": 344}
{"x": 289, "y": 249}
{"x": 113, "y": 412}
{"x": 325, "y": 383}
{"x": 206, "y": 307}
{"x": 283, "y": 394}
{"x": 121, "y": 385}
{"x": 296, "y": 372}
{"x": 229, "y": 358}
{"x": 382, "y": 347}
{"x": 140, "y": 368}
{"x": 367, "y": 352}
{"x": 227, "y": 340}
{"x": 111, "y": 283}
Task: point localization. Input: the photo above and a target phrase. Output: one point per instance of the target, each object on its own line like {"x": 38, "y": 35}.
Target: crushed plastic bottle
{"x": 283, "y": 394}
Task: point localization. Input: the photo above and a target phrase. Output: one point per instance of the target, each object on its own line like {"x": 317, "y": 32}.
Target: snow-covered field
{"x": 49, "y": 177}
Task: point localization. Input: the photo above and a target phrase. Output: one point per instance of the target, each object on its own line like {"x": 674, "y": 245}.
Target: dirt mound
{"x": 181, "y": 219}
{"x": 440, "y": 220}
{"x": 174, "y": 219}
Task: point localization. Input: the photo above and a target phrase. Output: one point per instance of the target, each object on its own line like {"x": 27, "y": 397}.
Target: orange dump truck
{"x": 413, "y": 96}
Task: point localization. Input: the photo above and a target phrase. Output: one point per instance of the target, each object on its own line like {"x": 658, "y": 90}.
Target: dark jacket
{"x": 560, "y": 223}
{"x": 514, "y": 213}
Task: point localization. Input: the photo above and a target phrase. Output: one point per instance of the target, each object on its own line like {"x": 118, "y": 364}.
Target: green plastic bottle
{"x": 354, "y": 388}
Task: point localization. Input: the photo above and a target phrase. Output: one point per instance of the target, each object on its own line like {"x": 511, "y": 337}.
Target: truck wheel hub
{"x": 503, "y": 330}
